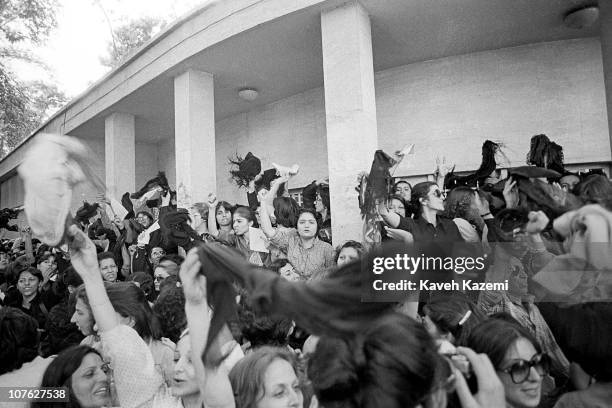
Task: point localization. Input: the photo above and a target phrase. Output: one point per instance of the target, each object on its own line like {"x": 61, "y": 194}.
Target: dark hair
{"x": 247, "y": 376}
{"x": 393, "y": 364}
{"x": 146, "y": 284}
{"x": 70, "y": 277}
{"x": 286, "y": 210}
{"x": 169, "y": 282}
{"x": 170, "y": 311}
{"x": 244, "y": 212}
{"x": 278, "y": 264}
{"x": 323, "y": 191}
{"x": 146, "y": 213}
{"x": 401, "y": 200}
{"x": 18, "y": 339}
{"x": 129, "y": 301}
{"x": 42, "y": 257}
{"x": 106, "y": 255}
{"x": 509, "y": 219}
{"x": 59, "y": 374}
{"x": 459, "y": 205}
{"x": 397, "y": 183}
{"x": 349, "y": 244}
{"x": 32, "y": 270}
{"x": 262, "y": 329}
{"x": 175, "y": 258}
{"x": 494, "y": 337}
{"x": 420, "y": 190}
{"x": 450, "y": 315}
{"x": 595, "y": 189}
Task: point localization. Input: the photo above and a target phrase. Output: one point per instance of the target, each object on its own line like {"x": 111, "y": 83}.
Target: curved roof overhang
{"x": 275, "y": 46}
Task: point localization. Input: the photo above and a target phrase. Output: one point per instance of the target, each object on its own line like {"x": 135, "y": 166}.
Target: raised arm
{"x": 214, "y": 384}
{"x": 85, "y": 261}
{"x": 266, "y": 224}
{"x": 391, "y": 218}
{"x": 212, "y": 215}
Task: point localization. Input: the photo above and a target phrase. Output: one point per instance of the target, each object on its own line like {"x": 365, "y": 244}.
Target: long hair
{"x": 392, "y": 364}
{"x": 59, "y": 374}
{"x": 286, "y": 210}
{"x": 495, "y": 336}
{"x": 454, "y": 314}
{"x": 247, "y": 376}
{"x": 459, "y": 205}
{"x": 129, "y": 301}
{"x": 420, "y": 190}
{"x": 18, "y": 339}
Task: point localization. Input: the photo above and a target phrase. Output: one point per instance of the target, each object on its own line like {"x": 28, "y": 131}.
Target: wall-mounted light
{"x": 581, "y": 18}
{"x": 248, "y": 94}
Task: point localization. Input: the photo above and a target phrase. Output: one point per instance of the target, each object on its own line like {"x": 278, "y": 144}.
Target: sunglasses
{"x": 519, "y": 371}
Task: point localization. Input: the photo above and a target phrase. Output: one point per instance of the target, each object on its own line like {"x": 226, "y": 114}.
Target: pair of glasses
{"x": 519, "y": 371}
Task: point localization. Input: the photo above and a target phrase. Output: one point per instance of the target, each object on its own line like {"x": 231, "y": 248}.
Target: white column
{"x": 120, "y": 153}
{"x": 605, "y": 18}
{"x": 350, "y": 111}
{"x": 194, "y": 136}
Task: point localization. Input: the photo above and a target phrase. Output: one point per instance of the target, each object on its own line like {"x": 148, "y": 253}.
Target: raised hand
{"x": 194, "y": 283}
{"x": 83, "y": 255}
{"x": 511, "y": 195}
{"x": 537, "y": 222}
{"x": 490, "y": 389}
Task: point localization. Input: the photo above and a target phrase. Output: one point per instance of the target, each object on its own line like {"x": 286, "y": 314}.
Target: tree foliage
{"x": 24, "y": 106}
{"x": 22, "y": 20}
{"x": 129, "y": 37}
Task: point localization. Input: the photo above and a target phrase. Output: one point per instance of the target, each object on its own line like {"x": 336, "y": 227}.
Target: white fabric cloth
{"x": 138, "y": 382}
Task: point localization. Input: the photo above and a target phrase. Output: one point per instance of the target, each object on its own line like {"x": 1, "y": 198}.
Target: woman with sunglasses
{"x": 517, "y": 357}
{"x": 428, "y": 225}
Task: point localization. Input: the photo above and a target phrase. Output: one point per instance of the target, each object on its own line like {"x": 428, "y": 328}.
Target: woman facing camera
{"x": 517, "y": 358}
{"x": 83, "y": 372}
{"x": 267, "y": 378}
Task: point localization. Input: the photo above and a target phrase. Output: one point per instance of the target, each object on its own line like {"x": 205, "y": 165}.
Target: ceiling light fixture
{"x": 581, "y": 18}
{"x": 248, "y": 94}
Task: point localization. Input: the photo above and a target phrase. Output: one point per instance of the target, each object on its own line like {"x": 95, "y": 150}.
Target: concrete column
{"x": 605, "y": 18}
{"x": 350, "y": 111}
{"x": 194, "y": 137}
{"x": 120, "y": 153}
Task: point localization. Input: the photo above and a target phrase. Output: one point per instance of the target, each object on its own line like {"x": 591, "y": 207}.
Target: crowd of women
{"x": 223, "y": 305}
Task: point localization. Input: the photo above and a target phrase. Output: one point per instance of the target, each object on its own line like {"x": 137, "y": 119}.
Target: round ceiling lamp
{"x": 248, "y": 94}
{"x": 581, "y": 18}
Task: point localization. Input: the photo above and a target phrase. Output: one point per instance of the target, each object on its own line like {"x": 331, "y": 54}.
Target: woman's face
{"x": 403, "y": 190}
{"x": 224, "y": 217}
{"x": 47, "y": 264}
{"x": 526, "y": 394}
{"x": 90, "y": 383}
{"x": 156, "y": 254}
{"x": 27, "y": 284}
{"x": 281, "y": 387}
{"x": 82, "y": 318}
{"x": 241, "y": 225}
{"x": 434, "y": 199}
{"x": 347, "y": 255}
{"x": 319, "y": 207}
{"x": 184, "y": 381}
{"x": 144, "y": 220}
{"x": 307, "y": 226}
{"x": 159, "y": 275}
{"x": 108, "y": 268}
{"x": 397, "y": 207}
{"x": 288, "y": 272}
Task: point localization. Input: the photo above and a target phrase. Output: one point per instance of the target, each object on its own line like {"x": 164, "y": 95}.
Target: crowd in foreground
{"x": 223, "y": 305}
